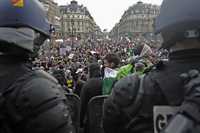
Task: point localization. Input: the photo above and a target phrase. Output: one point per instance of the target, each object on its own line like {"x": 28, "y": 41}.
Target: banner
{"x": 62, "y": 51}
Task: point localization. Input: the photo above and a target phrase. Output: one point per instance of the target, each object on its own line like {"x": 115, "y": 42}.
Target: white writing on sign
{"x": 63, "y": 51}
{"x": 162, "y": 115}
{"x": 110, "y": 73}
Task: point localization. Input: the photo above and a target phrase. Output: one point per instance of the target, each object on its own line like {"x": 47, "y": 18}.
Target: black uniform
{"x": 93, "y": 87}
{"x": 31, "y": 101}
{"x": 130, "y": 106}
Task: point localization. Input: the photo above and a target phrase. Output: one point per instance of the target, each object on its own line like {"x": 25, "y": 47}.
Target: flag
{"x": 109, "y": 80}
{"x": 146, "y": 51}
{"x": 18, "y": 3}
{"x": 110, "y": 73}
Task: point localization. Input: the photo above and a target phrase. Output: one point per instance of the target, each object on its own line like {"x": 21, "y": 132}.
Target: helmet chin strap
{"x": 39, "y": 39}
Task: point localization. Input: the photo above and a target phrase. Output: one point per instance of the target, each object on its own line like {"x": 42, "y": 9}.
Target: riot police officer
{"x": 129, "y": 109}
{"x": 31, "y": 101}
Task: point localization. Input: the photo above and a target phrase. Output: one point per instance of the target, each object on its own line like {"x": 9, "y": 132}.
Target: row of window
{"x": 141, "y": 19}
{"x": 76, "y": 16}
{"x": 137, "y": 29}
{"x": 77, "y": 29}
{"x": 68, "y": 10}
{"x": 134, "y": 27}
{"x": 144, "y": 11}
{"x": 137, "y": 22}
{"x": 133, "y": 16}
{"x": 76, "y": 24}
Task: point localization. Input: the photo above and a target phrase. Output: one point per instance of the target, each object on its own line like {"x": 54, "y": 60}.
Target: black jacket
{"x": 34, "y": 101}
{"x": 161, "y": 86}
{"x": 93, "y": 87}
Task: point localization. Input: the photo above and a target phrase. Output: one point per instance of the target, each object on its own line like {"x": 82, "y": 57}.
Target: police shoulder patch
{"x": 18, "y": 3}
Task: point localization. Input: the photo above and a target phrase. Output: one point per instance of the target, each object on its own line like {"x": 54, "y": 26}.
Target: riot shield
{"x": 95, "y": 112}
{"x": 74, "y": 103}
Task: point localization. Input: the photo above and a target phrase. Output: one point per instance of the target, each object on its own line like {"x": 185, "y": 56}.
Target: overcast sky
{"x": 107, "y": 13}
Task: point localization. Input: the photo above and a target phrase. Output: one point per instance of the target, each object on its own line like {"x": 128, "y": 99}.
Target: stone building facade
{"x": 53, "y": 15}
{"x": 76, "y": 21}
{"x": 137, "y": 20}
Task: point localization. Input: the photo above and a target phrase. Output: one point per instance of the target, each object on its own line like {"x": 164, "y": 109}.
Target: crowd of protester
{"x": 102, "y": 85}
{"x": 80, "y": 68}
{"x": 69, "y": 62}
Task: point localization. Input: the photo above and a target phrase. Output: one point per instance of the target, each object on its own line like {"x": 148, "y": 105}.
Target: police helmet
{"x": 178, "y": 20}
{"x": 22, "y": 15}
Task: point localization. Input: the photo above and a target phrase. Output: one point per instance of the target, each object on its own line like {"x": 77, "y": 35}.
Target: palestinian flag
{"x": 18, "y": 3}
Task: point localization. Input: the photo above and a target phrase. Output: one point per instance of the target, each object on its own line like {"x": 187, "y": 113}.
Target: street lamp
{"x": 72, "y": 33}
